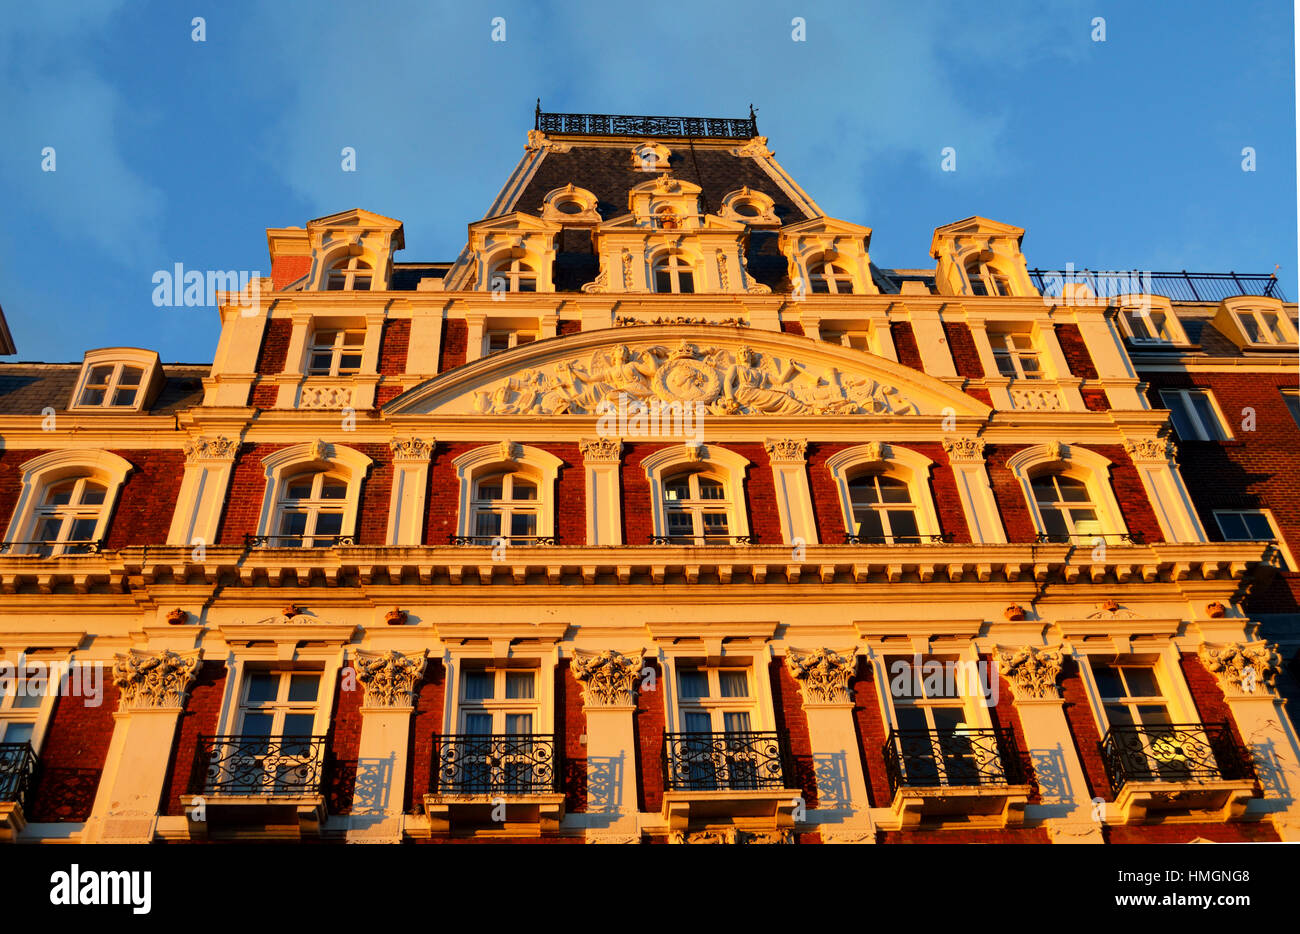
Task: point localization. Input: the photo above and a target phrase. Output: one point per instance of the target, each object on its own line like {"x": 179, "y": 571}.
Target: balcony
{"x": 721, "y": 541}
{"x": 498, "y": 781}
{"x": 1178, "y": 770}
{"x": 494, "y": 541}
{"x": 17, "y": 768}
{"x": 296, "y": 541}
{"x": 46, "y": 549}
{"x": 730, "y": 779}
{"x": 271, "y": 782}
{"x": 968, "y": 774}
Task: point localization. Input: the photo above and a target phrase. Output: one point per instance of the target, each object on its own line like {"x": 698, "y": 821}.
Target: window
{"x": 882, "y": 510}
{"x": 68, "y": 516}
{"x": 275, "y": 751}
{"x": 858, "y": 340}
{"x": 513, "y": 275}
{"x": 824, "y": 277}
{"x": 336, "y": 353}
{"x": 20, "y": 709}
{"x": 672, "y": 273}
{"x": 1292, "y": 399}
{"x": 1251, "y": 525}
{"x": 498, "y": 751}
{"x": 496, "y": 341}
{"x": 935, "y": 744}
{"x": 985, "y": 279}
{"x": 1015, "y": 354}
{"x": 505, "y": 501}
{"x": 1134, "y": 703}
{"x": 696, "y": 508}
{"x": 1148, "y": 326}
{"x": 1064, "y": 508}
{"x": 1194, "y": 414}
{"x": 1264, "y": 326}
{"x": 111, "y": 384}
{"x": 350, "y": 274}
{"x": 712, "y": 702}
{"x": 311, "y": 510}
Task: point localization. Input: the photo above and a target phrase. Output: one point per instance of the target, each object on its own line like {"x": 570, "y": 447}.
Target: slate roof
{"x": 28, "y": 388}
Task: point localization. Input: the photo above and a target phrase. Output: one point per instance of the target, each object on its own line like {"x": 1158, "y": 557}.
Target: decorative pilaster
{"x": 410, "y": 478}
{"x": 155, "y": 681}
{"x": 609, "y": 684}
{"x": 602, "y": 458}
{"x": 1032, "y": 672}
{"x": 208, "y": 465}
{"x": 1242, "y": 668}
{"x": 1155, "y": 460}
{"x": 966, "y": 457}
{"x": 793, "y": 497}
{"x": 823, "y": 675}
{"x": 390, "y": 678}
{"x": 608, "y": 679}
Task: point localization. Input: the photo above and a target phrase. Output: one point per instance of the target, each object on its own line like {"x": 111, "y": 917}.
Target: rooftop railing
{"x": 1181, "y": 286}
{"x": 632, "y": 125}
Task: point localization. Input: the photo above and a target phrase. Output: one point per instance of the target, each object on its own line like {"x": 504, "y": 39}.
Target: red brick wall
{"x": 1260, "y": 832}
{"x": 275, "y": 346}
{"x": 649, "y": 729}
{"x": 376, "y": 493}
{"x": 11, "y": 480}
{"x": 1006, "y": 715}
{"x": 143, "y": 514}
{"x": 198, "y": 719}
{"x": 426, "y": 724}
{"x": 962, "y": 347}
{"x": 570, "y": 727}
{"x": 1207, "y": 695}
{"x": 386, "y": 394}
{"x": 1075, "y": 351}
{"x": 871, "y": 733}
{"x": 455, "y": 338}
{"x": 1132, "y": 497}
{"x": 1083, "y": 730}
{"x": 905, "y": 344}
{"x": 1095, "y": 400}
{"x": 793, "y": 722}
{"x": 264, "y": 397}
{"x": 344, "y": 743}
{"x": 393, "y": 346}
{"x": 72, "y": 756}
{"x": 568, "y": 327}
{"x": 1016, "y": 517}
{"x": 1008, "y": 835}
{"x": 244, "y": 498}
{"x": 288, "y": 269}
{"x": 792, "y": 327}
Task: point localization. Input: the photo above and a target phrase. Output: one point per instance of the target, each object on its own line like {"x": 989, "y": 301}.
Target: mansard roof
{"x": 28, "y": 388}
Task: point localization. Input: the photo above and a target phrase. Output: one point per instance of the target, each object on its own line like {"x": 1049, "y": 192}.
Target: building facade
{"x": 661, "y": 514}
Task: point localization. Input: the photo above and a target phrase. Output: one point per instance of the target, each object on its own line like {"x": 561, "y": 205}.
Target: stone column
{"x": 208, "y": 464}
{"x": 389, "y": 679}
{"x": 966, "y": 457}
{"x": 609, "y": 682}
{"x": 406, "y": 506}
{"x": 153, "y": 690}
{"x": 1155, "y": 461}
{"x": 1066, "y": 808}
{"x": 843, "y": 809}
{"x": 1246, "y": 673}
{"x": 793, "y": 498}
{"x": 602, "y": 457}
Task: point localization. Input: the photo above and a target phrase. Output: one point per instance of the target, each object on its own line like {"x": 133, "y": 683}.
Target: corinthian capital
{"x": 823, "y": 674}
{"x": 601, "y": 450}
{"x": 155, "y": 681}
{"x": 787, "y": 450}
{"x": 1158, "y": 450}
{"x": 608, "y": 678}
{"x": 220, "y": 448}
{"x": 411, "y": 449}
{"x": 964, "y": 450}
{"x": 1032, "y": 672}
{"x": 389, "y": 677}
{"x": 1242, "y": 668}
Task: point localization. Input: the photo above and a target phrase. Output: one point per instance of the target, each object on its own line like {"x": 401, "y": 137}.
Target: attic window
{"x": 569, "y": 206}
{"x": 350, "y": 274}
{"x": 1264, "y": 326}
{"x": 117, "y": 379}
{"x": 651, "y": 157}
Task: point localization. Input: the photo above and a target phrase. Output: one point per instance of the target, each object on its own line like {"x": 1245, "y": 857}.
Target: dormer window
{"x": 1147, "y": 326}
{"x": 651, "y": 157}
{"x": 1264, "y": 326}
{"x": 349, "y": 274}
{"x": 336, "y": 353}
{"x": 985, "y": 279}
{"x": 117, "y": 379}
{"x": 824, "y": 277}
{"x": 673, "y": 274}
{"x": 513, "y": 275}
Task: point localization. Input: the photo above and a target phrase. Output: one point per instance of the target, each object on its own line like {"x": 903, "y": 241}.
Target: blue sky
{"x": 1120, "y": 154}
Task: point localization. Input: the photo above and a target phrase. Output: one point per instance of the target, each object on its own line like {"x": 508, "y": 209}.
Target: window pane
{"x": 677, "y": 488}
{"x": 523, "y": 489}
{"x": 1232, "y": 525}
{"x": 1209, "y": 417}
{"x": 479, "y": 684}
{"x": 325, "y": 338}
{"x": 902, "y": 525}
{"x": 47, "y": 530}
{"x": 82, "y": 530}
{"x": 298, "y": 724}
{"x": 1119, "y": 715}
{"x": 1141, "y": 682}
{"x": 1054, "y": 525}
{"x": 293, "y": 523}
{"x": 685, "y": 282}
{"x": 329, "y": 523}
{"x": 17, "y": 733}
{"x": 1072, "y": 490}
{"x": 1250, "y": 326}
{"x": 1178, "y": 414}
{"x": 478, "y": 724}
{"x": 60, "y": 495}
{"x": 100, "y": 375}
{"x": 1108, "y": 682}
{"x": 1153, "y": 715}
{"x": 948, "y": 719}
{"x": 304, "y": 687}
{"x": 1044, "y": 489}
{"x": 300, "y": 487}
{"x": 320, "y": 362}
{"x": 523, "y": 524}
{"x": 519, "y": 724}
{"x": 92, "y": 397}
{"x": 863, "y": 490}
{"x": 695, "y": 721}
{"x": 354, "y": 338}
{"x": 893, "y": 490}
{"x": 92, "y": 495}
{"x": 257, "y": 724}
{"x": 519, "y": 684}
{"x": 869, "y": 524}
{"x": 715, "y": 523}
{"x": 693, "y": 683}
{"x": 124, "y": 397}
{"x": 1257, "y": 526}
{"x": 262, "y": 687}
{"x": 487, "y": 524}
{"x": 679, "y": 523}
{"x": 333, "y": 489}
{"x": 734, "y": 683}
{"x": 489, "y": 489}
{"x": 30, "y": 697}
{"x": 911, "y": 718}
{"x": 130, "y": 376}
{"x": 349, "y": 361}
{"x": 663, "y": 281}
{"x": 1292, "y": 399}
{"x": 711, "y": 489}
{"x": 1006, "y": 366}
{"x": 735, "y": 721}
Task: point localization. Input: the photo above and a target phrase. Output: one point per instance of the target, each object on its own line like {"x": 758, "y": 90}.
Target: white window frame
{"x": 1277, "y": 540}
{"x": 542, "y": 661}
{"x": 891, "y": 460}
{"x": 1142, "y": 310}
{"x": 498, "y": 706}
{"x": 995, "y": 281}
{"x": 346, "y": 270}
{"x": 840, "y": 275}
{"x": 1193, "y": 416}
{"x": 697, "y": 506}
{"x": 514, "y": 270}
{"x": 541, "y": 467}
{"x": 1266, "y": 339}
{"x": 734, "y": 654}
{"x": 508, "y": 506}
{"x": 342, "y": 462}
{"x": 674, "y": 262}
{"x": 1003, "y": 344}
{"x": 1168, "y": 672}
{"x": 1081, "y": 464}
{"x": 40, "y": 473}
{"x": 119, "y": 358}
{"x": 515, "y": 337}
{"x": 726, "y": 466}
{"x": 336, "y": 348}
{"x": 313, "y": 506}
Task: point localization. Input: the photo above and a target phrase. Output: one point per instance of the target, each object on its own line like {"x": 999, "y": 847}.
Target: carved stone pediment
{"x": 721, "y": 371}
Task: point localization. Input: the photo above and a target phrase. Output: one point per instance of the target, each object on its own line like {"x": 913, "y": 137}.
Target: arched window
{"x": 351, "y": 273}
{"x": 697, "y": 495}
{"x": 987, "y": 279}
{"x": 68, "y": 516}
{"x": 824, "y": 277}
{"x": 1065, "y": 508}
{"x": 505, "y": 505}
{"x": 311, "y": 510}
{"x": 696, "y": 508}
{"x": 883, "y": 511}
{"x": 673, "y": 273}
{"x": 512, "y": 274}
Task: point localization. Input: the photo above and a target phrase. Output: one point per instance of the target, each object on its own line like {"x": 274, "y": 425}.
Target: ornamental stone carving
{"x": 723, "y": 277}
{"x": 786, "y": 450}
{"x": 160, "y": 681}
{"x": 720, "y": 837}
{"x": 1243, "y": 667}
{"x": 219, "y": 448}
{"x": 964, "y": 450}
{"x": 823, "y": 674}
{"x": 1160, "y": 450}
{"x": 624, "y": 321}
{"x": 601, "y": 450}
{"x": 743, "y": 382}
{"x": 608, "y": 678}
{"x": 1035, "y": 400}
{"x": 390, "y": 678}
{"x": 1032, "y": 672}
{"x": 325, "y": 397}
{"x": 416, "y": 449}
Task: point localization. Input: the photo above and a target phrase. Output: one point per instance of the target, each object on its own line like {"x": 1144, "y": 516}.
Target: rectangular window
{"x": 1292, "y": 399}
{"x": 1265, "y": 326}
{"x": 1194, "y": 414}
{"x": 274, "y": 752}
{"x": 1250, "y": 525}
{"x": 497, "y": 341}
{"x": 1147, "y": 326}
{"x": 336, "y": 353}
{"x": 1138, "y": 712}
{"x": 1015, "y": 354}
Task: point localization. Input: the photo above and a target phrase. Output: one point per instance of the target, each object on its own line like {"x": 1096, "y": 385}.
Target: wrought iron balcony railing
{"x": 740, "y": 761}
{"x": 952, "y": 758}
{"x": 17, "y": 768}
{"x": 49, "y": 549}
{"x": 1177, "y": 286}
{"x": 851, "y": 539}
{"x": 296, "y": 541}
{"x": 497, "y": 764}
{"x": 703, "y": 540}
{"x": 1090, "y": 538}
{"x": 491, "y": 541}
{"x": 259, "y": 765}
{"x": 629, "y": 125}
{"x": 1177, "y": 752}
